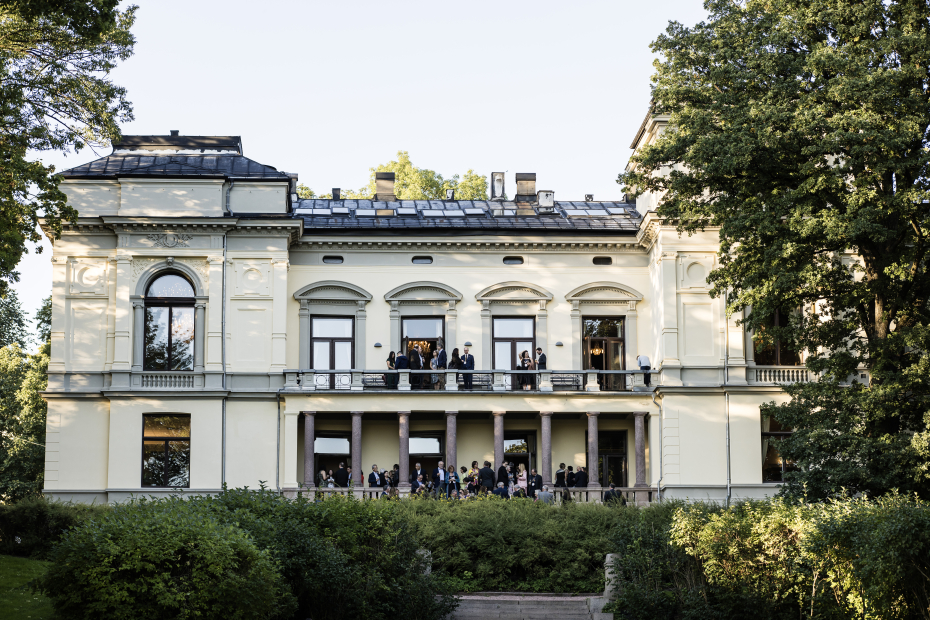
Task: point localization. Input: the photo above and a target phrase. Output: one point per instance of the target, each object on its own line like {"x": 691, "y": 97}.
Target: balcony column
{"x": 594, "y": 480}
{"x": 403, "y": 423}
{"x": 199, "y": 314}
{"x": 642, "y": 497}
{"x": 451, "y": 438}
{"x": 357, "y": 445}
{"x": 498, "y": 438}
{"x": 309, "y": 438}
{"x": 546, "y": 467}
{"x": 138, "y": 331}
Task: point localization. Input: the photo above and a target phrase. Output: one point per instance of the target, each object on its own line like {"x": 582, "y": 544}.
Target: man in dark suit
{"x": 581, "y": 478}
{"x": 502, "y": 474}
{"x": 501, "y": 491}
{"x": 418, "y": 486}
{"x": 533, "y": 484}
{"x": 401, "y": 362}
{"x": 540, "y": 359}
{"x": 486, "y": 477}
{"x": 442, "y": 360}
{"x": 440, "y": 479}
{"x": 570, "y": 477}
{"x": 417, "y": 471}
{"x": 341, "y": 476}
{"x": 614, "y": 497}
{"x": 468, "y": 363}
{"x": 375, "y": 480}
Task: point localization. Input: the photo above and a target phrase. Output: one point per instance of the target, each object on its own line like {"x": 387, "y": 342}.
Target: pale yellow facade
{"x": 259, "y": 277}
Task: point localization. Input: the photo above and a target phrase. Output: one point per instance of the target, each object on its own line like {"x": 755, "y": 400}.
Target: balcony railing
{"x": 633, "y": 495}
{"x": 354, "y": 380}
{"x": 168, "y": 380}
{"x": 781, "y": 374}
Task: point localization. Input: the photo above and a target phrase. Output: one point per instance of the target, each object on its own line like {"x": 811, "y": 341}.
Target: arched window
{"x": 169, "y": 324}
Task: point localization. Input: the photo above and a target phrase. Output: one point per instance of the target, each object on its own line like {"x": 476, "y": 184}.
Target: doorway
{"x": 520, "y": 448}
{"x": 332, "y": 347}
{"x": 611, "y": 459}
{"x": 427, "y": 450}
{"x": 330, "y": 449}
{"x": 604, "y": 350}
{"x": 428, "y": 333}
{"x": 511, "y": 337}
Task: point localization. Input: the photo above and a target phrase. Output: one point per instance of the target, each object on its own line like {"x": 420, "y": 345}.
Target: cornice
{"x": 631, "y": 247}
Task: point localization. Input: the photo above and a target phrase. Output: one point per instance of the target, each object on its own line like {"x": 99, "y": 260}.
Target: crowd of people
{"x": 418, "y": 359}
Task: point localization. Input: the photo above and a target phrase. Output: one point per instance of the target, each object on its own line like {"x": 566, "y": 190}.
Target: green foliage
{"x": 44, "y": 320}
{"x": 23, "y": 414}
{"x": 17, "y": 600}
{"x": 851, "y": 558}
{"x": 31, "y": 527}
{"x": 162, "y": 559}
{"x": 55, "y": 95}
{"x": 412, "y": 183}
{"x": 12, "y": 321}
{"x": 516, "y": 545}
{"x": 802, "y": 131}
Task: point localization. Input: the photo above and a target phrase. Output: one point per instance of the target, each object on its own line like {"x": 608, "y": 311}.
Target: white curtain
{"x": 766, "y": 424}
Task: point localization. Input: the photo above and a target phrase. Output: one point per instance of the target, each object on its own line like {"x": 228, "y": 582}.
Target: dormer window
{"x": 169, "y": 324}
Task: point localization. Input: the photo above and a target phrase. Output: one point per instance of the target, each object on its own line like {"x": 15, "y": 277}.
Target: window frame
{"x": 777, "y": 345}
{"x": 405, "y": 340}
{"x": 331, "y": 341}
{"x": 513, "y": 341}
{"x": 166, "y": 441}
{"x": 170, "y": 303}
{"x": 785, "y": 465}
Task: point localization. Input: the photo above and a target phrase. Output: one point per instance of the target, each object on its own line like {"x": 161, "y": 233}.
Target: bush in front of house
{"x": 166, "y": 558}
{"x": 30, "y": 527}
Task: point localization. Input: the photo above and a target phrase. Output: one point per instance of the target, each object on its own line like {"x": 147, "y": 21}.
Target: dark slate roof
{"x": 209, "y": 166}
{"x": 161, "y": 143}
{"x": 467, "y": 216}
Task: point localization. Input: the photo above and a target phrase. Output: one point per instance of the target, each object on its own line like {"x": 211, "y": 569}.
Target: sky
{"x": 331, "y": 89}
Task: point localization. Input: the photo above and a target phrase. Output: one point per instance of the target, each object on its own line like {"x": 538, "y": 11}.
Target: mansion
{"x": 212, "y": 328}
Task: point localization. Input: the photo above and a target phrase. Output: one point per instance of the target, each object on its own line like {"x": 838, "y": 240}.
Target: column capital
{"x": 500, "y": 413}
{"x": 546, "y": 414}
{"x": 400, "y": 413}
{"x": 641, "y": 414}
{"x": 308, "y": 413}
{"x": 356, "y": 414}
{"x": 592, "y": 414}
{"x": 451, "y": 413}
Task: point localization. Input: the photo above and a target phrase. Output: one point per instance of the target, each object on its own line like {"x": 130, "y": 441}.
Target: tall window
{"x": 511, "y": 337}
{"x": 169, "y": 324}
{"x": 773, "y": 465}
{"x": 332, "y": 347}
{"x": 603, "y": 350}
{"x": 329, "y": 450}
{"x": 427, "y": 332}
{"x": 779, "y": 352}
{"x": 166, "y": 450}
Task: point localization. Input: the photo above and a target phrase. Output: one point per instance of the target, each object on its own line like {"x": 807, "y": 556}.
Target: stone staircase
{"x": 520, "y": 606}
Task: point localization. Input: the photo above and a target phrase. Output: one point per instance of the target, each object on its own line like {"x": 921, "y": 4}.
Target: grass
{"x": 16, "y": 601}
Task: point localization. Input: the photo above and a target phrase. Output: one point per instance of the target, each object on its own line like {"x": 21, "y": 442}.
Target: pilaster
{"x": 279, "y": 315}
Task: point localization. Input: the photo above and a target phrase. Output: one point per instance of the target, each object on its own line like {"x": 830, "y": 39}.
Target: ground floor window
{"x": 166, "y": 450}
{"x": 427, "y": 449}
{"x": 774, "y": 466}
{"x": 330, "y": 449}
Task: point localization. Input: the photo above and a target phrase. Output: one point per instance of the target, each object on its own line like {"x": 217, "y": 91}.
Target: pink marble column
{"x": 639, "y": 418}
{"x": 593, "y": 479}
{"x": 498, "y": 438}
{"x": 451, "y": 438}
{"x": 546, "y": 467}
{"x": 357, "y": 473}
{"x": 403, "y": 424}
{"x": 309, "y": 437}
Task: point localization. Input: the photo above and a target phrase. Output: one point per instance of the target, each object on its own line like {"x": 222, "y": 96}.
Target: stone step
{"x": 530, "y": 607}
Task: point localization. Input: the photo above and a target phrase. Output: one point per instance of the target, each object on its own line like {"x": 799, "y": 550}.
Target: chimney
{"x": 497, "y": 186}
{"x": 337, "y": 193}
{"x": 450, "y": 194}
{"x": 175, "y": 132}
{"x": 589, "y": 197}
{"x": 526, "y": 187}
{"x": 292, "y": 186}
{"x": 546, "y": 200}
{"x": 384, "y": 186}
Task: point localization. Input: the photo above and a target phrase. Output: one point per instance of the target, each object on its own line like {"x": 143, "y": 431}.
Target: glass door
{"x": 604, "y": 350}
{"x": 511, "y": 338}
{"x": 332, "y": 348}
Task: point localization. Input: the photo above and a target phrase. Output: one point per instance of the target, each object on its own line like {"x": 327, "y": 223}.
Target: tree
{"x": 12, "y": 321}
{"x": 412, "y": 183}
{"x": 800, "y": 129}
{"x": 55, "y": 95}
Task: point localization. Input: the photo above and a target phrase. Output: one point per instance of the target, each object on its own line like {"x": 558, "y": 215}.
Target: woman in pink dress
{"x": 521, "y": 476}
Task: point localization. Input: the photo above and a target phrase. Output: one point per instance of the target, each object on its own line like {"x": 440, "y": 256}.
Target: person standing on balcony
{"x": 581, "y": 478}
{"x": 540, "y": 359}
{"x": 390, "y": 379}
{"x": 416, "y": 363}
{"x": 442, "y": 357}
{"x": 468, "y": 363}
{"x": 526, "y": 363}
{"x": 643, "y": 362}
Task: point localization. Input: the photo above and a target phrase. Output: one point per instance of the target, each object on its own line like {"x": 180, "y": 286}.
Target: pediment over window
{"x": 514, "y": 292}
{"x": 604, "y": 292}
{"x": 423, "y": 292}
{"x": 332, "y": 291}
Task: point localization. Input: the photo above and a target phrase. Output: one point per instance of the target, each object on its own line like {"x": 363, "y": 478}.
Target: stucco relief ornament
{"x": 170, "y": 240}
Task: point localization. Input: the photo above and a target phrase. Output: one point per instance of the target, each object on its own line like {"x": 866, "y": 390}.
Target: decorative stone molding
{"x": 630, "y": 246}
{"x": 331, "y": 297}
{"x": 332, "y": 291}
{"x": 423, "y": 292}
{"x": 612, "y": 293}
{"x": 170, "y": 240}
{"x": 513, "y": 292}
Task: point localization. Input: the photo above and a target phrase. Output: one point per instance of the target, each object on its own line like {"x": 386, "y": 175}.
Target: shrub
{"x": 516, "y": 545}
{"x": 162, "y": 559}
{"x": 31, "y": 526}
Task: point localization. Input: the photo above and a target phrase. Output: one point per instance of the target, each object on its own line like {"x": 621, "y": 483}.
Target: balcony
{"x": 779, "y": 375}
{"x": 354, "y": 380}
